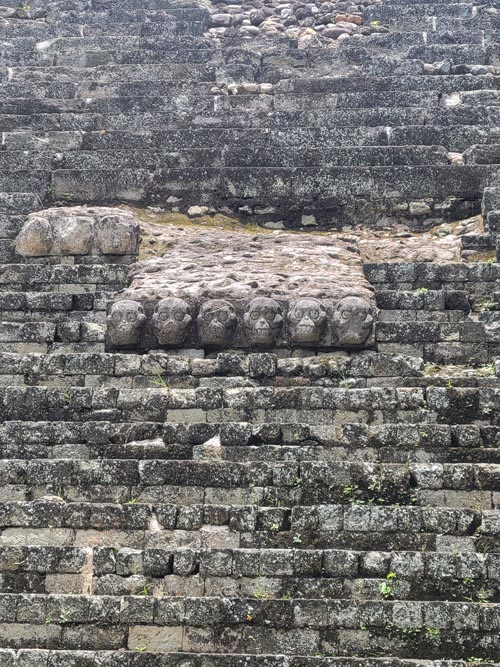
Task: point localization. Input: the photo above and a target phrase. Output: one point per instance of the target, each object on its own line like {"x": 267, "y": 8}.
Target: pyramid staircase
{"x": 233, "y": 509}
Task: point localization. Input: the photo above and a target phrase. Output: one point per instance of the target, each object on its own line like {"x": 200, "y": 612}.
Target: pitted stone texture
{"x": 125, "y": 322}
{"x": 78, "y": 231}
{"x": 267, "y": 290}
{"x": 441, "y": 244}
{"x": 263, "y": 321}
{"x": 171, "y": 320}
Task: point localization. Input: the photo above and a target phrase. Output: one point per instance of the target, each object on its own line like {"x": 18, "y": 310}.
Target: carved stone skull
{"x": 307, "y": 319}
{"x": 116, "y": 236}
{"x": 73, "y": 235}
{"x": 171, "y": 320}
{"x": 35, "y": 238}
{"x": 125, "y": 323}
{"x": 263, "y": 321}
{"x": 353, "y": 320}
{"x": 216, "y": 322}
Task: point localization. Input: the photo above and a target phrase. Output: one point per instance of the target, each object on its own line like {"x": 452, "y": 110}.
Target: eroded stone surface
{"x": 125, "y": 323}
{"x": 235, "y": 289}
{"x": 78, "y": 231}
{"x": 171, "y": 320}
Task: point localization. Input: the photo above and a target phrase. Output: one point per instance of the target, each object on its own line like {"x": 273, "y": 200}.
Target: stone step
{"x": 99, "y": 75}
{"x": 223, "y": 371}
{"x": 86, "y": 115}
{"x": 39, "y": 276}
{"x": 66, "y": 97}
{"x": 52, "y": 333}
{"x": 231, "y": 157}
{"x": 448, "y": 321}
{"x": 453, "y": 137}
{"x": 259, "y": 186}
{"x": 430, "y": 6}
{"x": 136, "y": 525}
{"x": 115, "y": 43}
{"x": 262, "y": 574}
{"x": 486, "y": 21}
{"x": 297, "y": 627}
{"x": 309, "y": 405}
{"x": 424, "y": 299}
{"x": 432, "y": 275}
{"x": 479, "y": 154}
{"x": 257, "y": 404}
{"x": 349, "y": 441}
{"x": 145, "y": 658}
{"x": 458, "y": 54}
{"x": 393, "y": 140}
{"x": 410, "y": 17}
{"x": 130, "y": 10}
{"x": 124, "y": 25}
{"x": 456, "y": 128}
{"x": 302, "y": 482}
{"x": 95, "y": 58}
{"x": 107, "y": 80}
{"x": 52, "y": 303}
{"x": 173, "y": 366}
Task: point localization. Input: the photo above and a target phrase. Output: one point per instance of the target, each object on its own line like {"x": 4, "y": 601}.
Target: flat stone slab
{"x": 220, "y": 289}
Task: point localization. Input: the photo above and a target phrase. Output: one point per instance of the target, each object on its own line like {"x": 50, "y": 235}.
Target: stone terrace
{"x": 250, "y": 448}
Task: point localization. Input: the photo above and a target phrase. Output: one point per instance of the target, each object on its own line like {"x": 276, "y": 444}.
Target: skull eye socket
{"x": 314, "y": 314}
{"x": 179, "y": 315}
{"x": 130, "y": 316}
{"x": 117, "y": 316}
{"x": 255, "y": 315}
{"x": 223, "y": 316}
{"x": 163, "y": 315}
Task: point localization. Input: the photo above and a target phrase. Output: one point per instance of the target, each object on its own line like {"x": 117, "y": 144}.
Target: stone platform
{"x": 218, "y": 289}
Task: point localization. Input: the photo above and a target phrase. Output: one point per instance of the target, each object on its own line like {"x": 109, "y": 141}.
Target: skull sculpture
{"x": 307, "y": 319}
{"x": 263, "y": 321}
{"x": 35, "y": 238}
{"x": 171, "y": 320}
{"x": 74, "y": 235}
{"x": 116, "y": 236}
{"x": 353, "y": 320}
{"x": 125, "y": 322}
{"x": 216, "y": 323}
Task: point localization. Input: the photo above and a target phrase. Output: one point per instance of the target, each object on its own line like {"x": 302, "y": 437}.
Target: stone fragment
{"x": 197, "y": 211}
{"x": 221, "y": 19}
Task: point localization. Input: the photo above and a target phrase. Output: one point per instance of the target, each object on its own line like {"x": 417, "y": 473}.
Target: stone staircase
{"x": 237, "y": 506}
{"x": 286, "y": 507}
{"x": 134, "y": 103}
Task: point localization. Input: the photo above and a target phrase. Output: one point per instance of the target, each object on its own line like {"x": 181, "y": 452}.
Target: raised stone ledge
{"x": 217, "y": 289}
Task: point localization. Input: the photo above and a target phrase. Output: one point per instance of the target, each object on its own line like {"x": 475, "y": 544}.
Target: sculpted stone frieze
{"x": 78, "y": 231}
{"x": 218, "y": 289}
